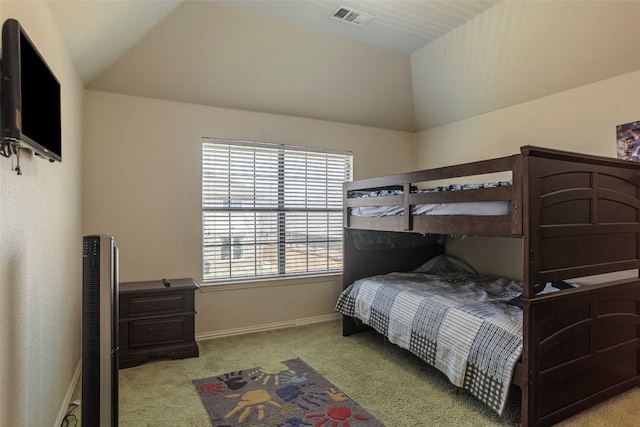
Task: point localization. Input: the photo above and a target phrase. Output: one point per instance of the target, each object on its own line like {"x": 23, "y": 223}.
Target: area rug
{"x": 283, "y": 394}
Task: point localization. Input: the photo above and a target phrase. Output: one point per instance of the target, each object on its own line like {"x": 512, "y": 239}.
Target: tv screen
{"x": 30, "y": 95}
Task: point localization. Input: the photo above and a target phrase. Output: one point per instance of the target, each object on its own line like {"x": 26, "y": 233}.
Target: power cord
{"x": 8, "y": 147}
{"x": 17, "y": 168}
{"x": 70, "y": 416}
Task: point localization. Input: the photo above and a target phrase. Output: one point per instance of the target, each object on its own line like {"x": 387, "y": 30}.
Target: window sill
{"x": 267, "y": 282}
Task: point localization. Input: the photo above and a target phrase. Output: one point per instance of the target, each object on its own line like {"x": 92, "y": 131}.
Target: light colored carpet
{"x": 396, "y": 387}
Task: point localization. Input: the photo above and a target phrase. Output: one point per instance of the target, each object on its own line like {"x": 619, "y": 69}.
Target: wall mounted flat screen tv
{"x": 30, "y": 95}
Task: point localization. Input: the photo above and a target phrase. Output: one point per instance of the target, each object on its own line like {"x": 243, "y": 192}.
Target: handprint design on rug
{"x": 289, "y": 378}
{"x": 298, "y": 396}
{"x": 233, "y": 380}
{"x": 284, "y": 394}
{"x": 250, "y": 400}
{"x": 230, "y": 381}
{"x": 270, "y": 372}
{"x": 336, "y": 395}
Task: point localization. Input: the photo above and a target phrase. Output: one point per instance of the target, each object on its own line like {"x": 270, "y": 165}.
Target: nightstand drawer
{"x": 144, "y": 306}
{"x": 164, "y": 331}
{"x": 156, "y": 320}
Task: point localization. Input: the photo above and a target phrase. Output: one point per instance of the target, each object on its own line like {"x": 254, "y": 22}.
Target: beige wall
{"x": 131, "y": 168}
{"x": 582, "y": 119}
{"x": 206, "y": 53}
{"x": 142, "y": 184}
{"x": 40, "y": 252}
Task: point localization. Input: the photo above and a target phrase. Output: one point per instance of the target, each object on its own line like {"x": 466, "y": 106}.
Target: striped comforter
{"x": 458, "y": 322}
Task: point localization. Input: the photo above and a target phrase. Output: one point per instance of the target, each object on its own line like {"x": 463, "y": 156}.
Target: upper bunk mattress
{"x": 485, "y": 208}
{"x": 465, "y": 208}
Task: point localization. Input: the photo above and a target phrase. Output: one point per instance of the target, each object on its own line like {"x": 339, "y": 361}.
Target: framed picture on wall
{"x": 628, "y": 141}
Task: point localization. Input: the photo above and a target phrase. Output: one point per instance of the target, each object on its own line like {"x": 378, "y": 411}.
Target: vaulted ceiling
{"x": 97, "y": 32}
{"x": 416, "y": 65}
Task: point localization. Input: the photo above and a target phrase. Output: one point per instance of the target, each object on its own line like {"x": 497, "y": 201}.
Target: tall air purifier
{"x": 99, "y": 331}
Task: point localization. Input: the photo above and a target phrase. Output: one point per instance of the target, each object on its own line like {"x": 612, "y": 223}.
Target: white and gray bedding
{"x": 487, "y": 208}
{"x": 465, "y": 208}
{"x": 455, "y": 319}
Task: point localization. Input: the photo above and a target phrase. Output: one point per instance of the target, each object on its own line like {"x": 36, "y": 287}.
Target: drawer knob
{"x": 159, "y": 331}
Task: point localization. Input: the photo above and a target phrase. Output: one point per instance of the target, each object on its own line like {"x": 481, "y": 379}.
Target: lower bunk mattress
{"x": 454, "y": 319}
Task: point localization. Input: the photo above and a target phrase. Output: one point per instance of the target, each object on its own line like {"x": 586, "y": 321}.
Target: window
{"x": 271, "y": 209}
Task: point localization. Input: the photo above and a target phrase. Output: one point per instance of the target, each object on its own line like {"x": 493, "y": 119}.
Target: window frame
{"x": 229, "y": 206}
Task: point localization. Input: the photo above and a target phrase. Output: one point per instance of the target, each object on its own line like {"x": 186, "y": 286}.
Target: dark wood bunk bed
{"x": 577, "y": 215}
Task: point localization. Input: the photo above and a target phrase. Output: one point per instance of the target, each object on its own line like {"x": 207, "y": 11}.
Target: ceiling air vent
{"x": 352, "y": 16}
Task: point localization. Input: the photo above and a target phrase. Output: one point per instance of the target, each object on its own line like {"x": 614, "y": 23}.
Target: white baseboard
{"x": 268, "y": 327}
{"x": 68, "y": 395}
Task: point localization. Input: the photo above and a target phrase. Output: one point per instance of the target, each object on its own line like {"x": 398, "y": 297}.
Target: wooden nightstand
{"x": 156, "y": 320}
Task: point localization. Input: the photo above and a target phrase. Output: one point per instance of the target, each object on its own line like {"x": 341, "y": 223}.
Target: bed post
{"x": 381, "y": 252}
{"x": 581, "y": 217}
{"x": 350, "y": 325}
{"x": 528, "y": 356}
{"x": 516, "y": 195}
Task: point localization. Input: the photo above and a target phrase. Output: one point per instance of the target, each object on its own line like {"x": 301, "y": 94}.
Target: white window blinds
{"x": 270, "y": 209}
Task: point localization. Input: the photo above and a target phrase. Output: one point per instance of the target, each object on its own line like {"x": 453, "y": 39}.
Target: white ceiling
{"x": 97, "y": 32}
{"x": 400, "y": 25}
{"x": 432, "y": 62}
